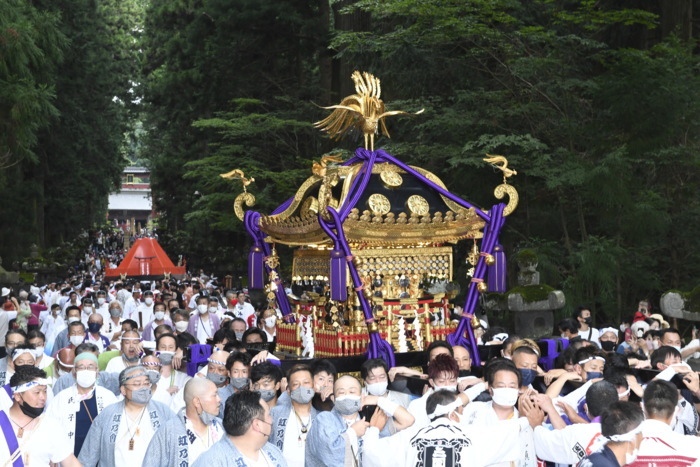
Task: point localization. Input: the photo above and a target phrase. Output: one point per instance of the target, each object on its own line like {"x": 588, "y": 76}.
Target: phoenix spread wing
{"x": 346, "y": 115}
{"x": 363, "y": 110}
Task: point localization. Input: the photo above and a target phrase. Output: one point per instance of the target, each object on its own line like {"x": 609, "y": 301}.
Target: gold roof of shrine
{"x": 396, "y": 208}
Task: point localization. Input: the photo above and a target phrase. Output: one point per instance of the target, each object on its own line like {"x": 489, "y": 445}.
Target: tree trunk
{"x": 581, "y": 218}
{"x": 564, "y": 228}
{"x": 677, "y": 17}
{"x": 355, "y": 21}
{"x": 325, "y": 54}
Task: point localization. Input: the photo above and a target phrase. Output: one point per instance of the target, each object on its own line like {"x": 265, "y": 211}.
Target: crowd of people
{"x": 98, "y": 373}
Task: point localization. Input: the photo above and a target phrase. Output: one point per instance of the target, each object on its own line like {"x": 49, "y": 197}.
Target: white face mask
{"x": 85, "y": 378}
{"x": 202, "y": 308}
{"x": 73, "y": 319}
{"x": 148, "y": 301}
{"x": 377, "y": 389}
{"x": 212, "y": 309}
{"x": 87, "y": 309}
{"x": 77, "y": 340}
{"x": 38, "y": 352}
{"x": 677, "y": 347}
{"x": 181, "y": 326}
{"x": 505, "y": 397}
{"x": 159, "y": 315}
{"x": 563, "y": 336}
{"x": 270, "y": 321}
{"x": 101, "y": 301}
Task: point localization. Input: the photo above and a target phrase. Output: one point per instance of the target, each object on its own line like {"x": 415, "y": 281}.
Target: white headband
{"x": 620, "y": 395}
{"x": 629, "y": 436}
{"x": 63, "y": 364}
{"x": 601, "y": 441}
{"x": 27, "y": 386}
{"x": 613, "y": 330}
{"x": 441, "y": 410}
{"x": 18, "y": 352}
{"x": 583, "y": 362}
{"x": 129, "y": 338}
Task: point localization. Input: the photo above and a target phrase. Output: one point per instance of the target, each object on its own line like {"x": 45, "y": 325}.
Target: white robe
{"x": 245, "y": 312}
{"x": 143, "y": 315}
{"x": 481, "y": 415}
{"x": 66, "y": 404}
{"x": 174, "y": 401}
{"x": 444, "y": 441}
{"x": 51, "y": 327}
{"x": 568, "y": 445}
{"x": 46, "y": 443}
{"x": 417, "y": 409}
{"x": 662, "y": 446}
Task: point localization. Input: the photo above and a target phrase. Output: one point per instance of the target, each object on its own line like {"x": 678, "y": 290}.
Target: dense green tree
{"x": 603, "y": 135}
{"x": 594, "y": 103}
{"x": 30, "y": 48}
{"x": 66, "y": 83}
{"x": 246, "y": 68}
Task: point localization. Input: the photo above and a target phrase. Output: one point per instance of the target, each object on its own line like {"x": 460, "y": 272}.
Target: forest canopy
{"x": 594, "y": 103}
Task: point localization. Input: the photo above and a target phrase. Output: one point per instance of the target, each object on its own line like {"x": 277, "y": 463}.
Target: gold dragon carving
{"x": 245, "y": 197}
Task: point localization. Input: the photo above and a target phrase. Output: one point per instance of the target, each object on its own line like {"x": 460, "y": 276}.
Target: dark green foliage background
{"x": 595, "y": 104}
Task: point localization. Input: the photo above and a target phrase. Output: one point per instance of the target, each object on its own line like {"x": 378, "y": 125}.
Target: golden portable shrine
{"x": 373, "y": 237}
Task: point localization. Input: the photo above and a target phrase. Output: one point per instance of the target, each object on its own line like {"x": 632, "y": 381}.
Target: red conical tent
{"x": 146, "y": 259}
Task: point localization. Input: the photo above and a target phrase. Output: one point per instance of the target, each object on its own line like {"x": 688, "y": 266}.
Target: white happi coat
{"x": 481, "y": 414}
{"x": 66, "y": 404}
{"x": 444, "y": 442}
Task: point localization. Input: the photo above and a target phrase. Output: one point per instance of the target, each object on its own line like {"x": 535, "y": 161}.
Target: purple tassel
{"x": 256, "y": 271}
{"x": 338, "y": 278}
{"x": 497, "y": 273}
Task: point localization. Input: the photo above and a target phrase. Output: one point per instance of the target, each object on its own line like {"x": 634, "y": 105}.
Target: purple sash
{"x": 8, "y": 390}
{"x": 10, "y": 438}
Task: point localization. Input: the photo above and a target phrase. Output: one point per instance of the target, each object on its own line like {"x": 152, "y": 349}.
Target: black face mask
{"x": 608, "y": 346}
{"x": 463, "y": 373}
{"x": 30, "y": 411}
{"x": 588, "y": 320}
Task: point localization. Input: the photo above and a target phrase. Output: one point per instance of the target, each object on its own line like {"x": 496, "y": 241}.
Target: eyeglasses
{"x": 82, "y": 367}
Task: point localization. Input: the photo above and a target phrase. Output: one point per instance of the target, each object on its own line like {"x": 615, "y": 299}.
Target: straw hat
{"x": 660, "y": 319}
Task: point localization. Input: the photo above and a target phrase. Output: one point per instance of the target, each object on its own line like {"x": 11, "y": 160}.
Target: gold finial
{"x": 496, "y": 160}
{"x": 364, "y": 110}
{"x": 237, "y": 174}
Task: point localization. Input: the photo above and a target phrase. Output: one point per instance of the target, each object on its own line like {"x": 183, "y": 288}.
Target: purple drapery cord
{"x": 494, "y": 223}
{"x": 384, "y": 157}
{"x": 490, "y": 239}
{"x": 251, "y": 221}
{"x": 377, "y": 347}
